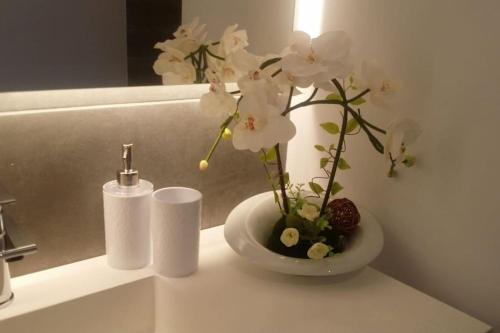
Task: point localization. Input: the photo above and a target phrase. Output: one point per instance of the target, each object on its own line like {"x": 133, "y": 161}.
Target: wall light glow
{"x": 300, "y": 155}
{"x": 309, "y": 16}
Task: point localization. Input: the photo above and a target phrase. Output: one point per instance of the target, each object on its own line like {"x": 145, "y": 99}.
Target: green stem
{"x": 290, "y": 95}
{"x": 282, "y": 179}
{"x": 215, "y": 144}
{"x": 307, "y": 102}
{"x": 365, "y": 125}
{"x": 269, "y": 62}
{"x": 281, "y": 173}
{"x": 338, "y": 152}
{"x": 270, "y": 178}
{"x": 276, "y": 73}
{"x": 312, "y": 95}
{"x": 223, "y": 127}
{"x": 361, "y": 94}
{"x": 373, "y": 139}
{"x": 378, "y": 129}
{"x": 214, "y": 55}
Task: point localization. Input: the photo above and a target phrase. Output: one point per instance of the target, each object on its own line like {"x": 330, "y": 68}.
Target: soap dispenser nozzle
{"x": 127, "y": 176}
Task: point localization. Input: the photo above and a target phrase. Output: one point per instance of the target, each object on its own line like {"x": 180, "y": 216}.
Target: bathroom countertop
{"x": 228, "y": 294}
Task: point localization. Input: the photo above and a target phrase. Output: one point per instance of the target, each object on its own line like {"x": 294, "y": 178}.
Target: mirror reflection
{"x": 57, "y": 44}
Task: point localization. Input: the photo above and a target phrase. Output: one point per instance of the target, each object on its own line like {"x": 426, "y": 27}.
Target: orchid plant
{"x": 256, "y": 116}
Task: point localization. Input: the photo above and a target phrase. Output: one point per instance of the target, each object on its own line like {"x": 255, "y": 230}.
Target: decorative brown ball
{"x": 344, "y": 216}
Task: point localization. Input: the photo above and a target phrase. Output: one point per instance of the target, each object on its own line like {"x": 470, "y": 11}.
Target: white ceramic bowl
{"x": 249, "y": 225}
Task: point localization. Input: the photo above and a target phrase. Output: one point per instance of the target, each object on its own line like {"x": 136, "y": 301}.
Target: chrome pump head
{"x": 127, "y": 176}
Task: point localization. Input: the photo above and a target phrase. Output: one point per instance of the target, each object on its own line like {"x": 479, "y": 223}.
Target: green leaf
{"x": 276, "y": 197}
{"x": 336, "y": 188}
{"x": 320, "y": 147}
{"x": 330, "y": 127}
{"x": 332, "y": 147}
{"x": 286, "y": 177}
{"x": 322, "y": 224}
{"x": 323, "y": 162}
{"x": 316, "y": 188}
{"x": 352, "y": 124}
{"x": 409, "y": 161}
{"x": 373, "y": 139}
{"x": 334, "y": 97}
{"x": 358, "y": 101}
{"x": 375, "y": 143}
{"x": 269, "y": 156}
{"x": 343, "y": 165}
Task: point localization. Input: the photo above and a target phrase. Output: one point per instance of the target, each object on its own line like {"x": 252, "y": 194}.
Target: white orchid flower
{"x": 253, "y": 78}
{"x": 173, "y": 68}
{"x": 183, "y": 73}
{"x": 233, "y": 40}
{"x": 289, "y": 237}
{"x": 260, "y": 124}
{"x": 226, "y": 69}
{"x": 217, "y": 102}
{"x": 309, "y": 212}
{"x": 248, "y": 64}
{"x": 192, "y": 30}
{"x": 184, "y": 45}
{"x": 188, "y": 38}
{"x": 168, "y": 60}
{"x": 400, "y": 134}
{"x": 373, "y": 77}
{"x": 318, "y": 251}
{"x": 320, "y": 59}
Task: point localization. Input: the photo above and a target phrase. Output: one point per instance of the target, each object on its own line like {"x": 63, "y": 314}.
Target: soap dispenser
{"x": 126, "y": 216}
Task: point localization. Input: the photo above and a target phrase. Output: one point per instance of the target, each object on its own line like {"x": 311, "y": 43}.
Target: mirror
{"x": 59, "y": 44}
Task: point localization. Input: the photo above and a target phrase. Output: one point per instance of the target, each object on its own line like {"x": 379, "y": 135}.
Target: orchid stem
{"x": 270, "y": 178}
{"x": 223, "y": 127}
{"x": 215, "y": 144}
{"x": 312, "y": 95}
{"x": 282, "y": 179}
{"x": 338, "y": 152}
{"x": 280, "y": 165}
{"x": 214, "y": 55}
{"x": 361, "y": 94}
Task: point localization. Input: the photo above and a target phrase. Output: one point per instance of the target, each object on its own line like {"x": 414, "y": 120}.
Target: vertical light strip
{"x": 301, "y": 160}
{"x": 309, "y": 16}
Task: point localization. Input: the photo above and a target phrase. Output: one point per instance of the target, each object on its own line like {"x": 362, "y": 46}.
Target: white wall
{"x": 268, "y": 23}
{"x": 441, "y": 219}
{"x": 49, "y": 44}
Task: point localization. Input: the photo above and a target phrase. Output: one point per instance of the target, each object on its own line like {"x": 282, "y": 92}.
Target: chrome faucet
{"x": 8, "y": 253}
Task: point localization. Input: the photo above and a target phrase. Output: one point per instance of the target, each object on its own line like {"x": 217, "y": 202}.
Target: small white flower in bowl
{"x": 309, "y": 212}
{"x": 289, "y": 237}
{"x": 318, "y": 251}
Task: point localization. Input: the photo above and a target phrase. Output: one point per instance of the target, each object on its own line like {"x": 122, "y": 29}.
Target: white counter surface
{"x": 228, "y": 294}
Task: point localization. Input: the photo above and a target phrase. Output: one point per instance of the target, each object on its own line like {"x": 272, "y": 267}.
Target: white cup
{"x": 175, "y": 225}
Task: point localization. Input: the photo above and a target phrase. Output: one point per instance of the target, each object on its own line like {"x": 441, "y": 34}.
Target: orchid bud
{"x": 226, "y": 134}
{"x": 203, "y": 165}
